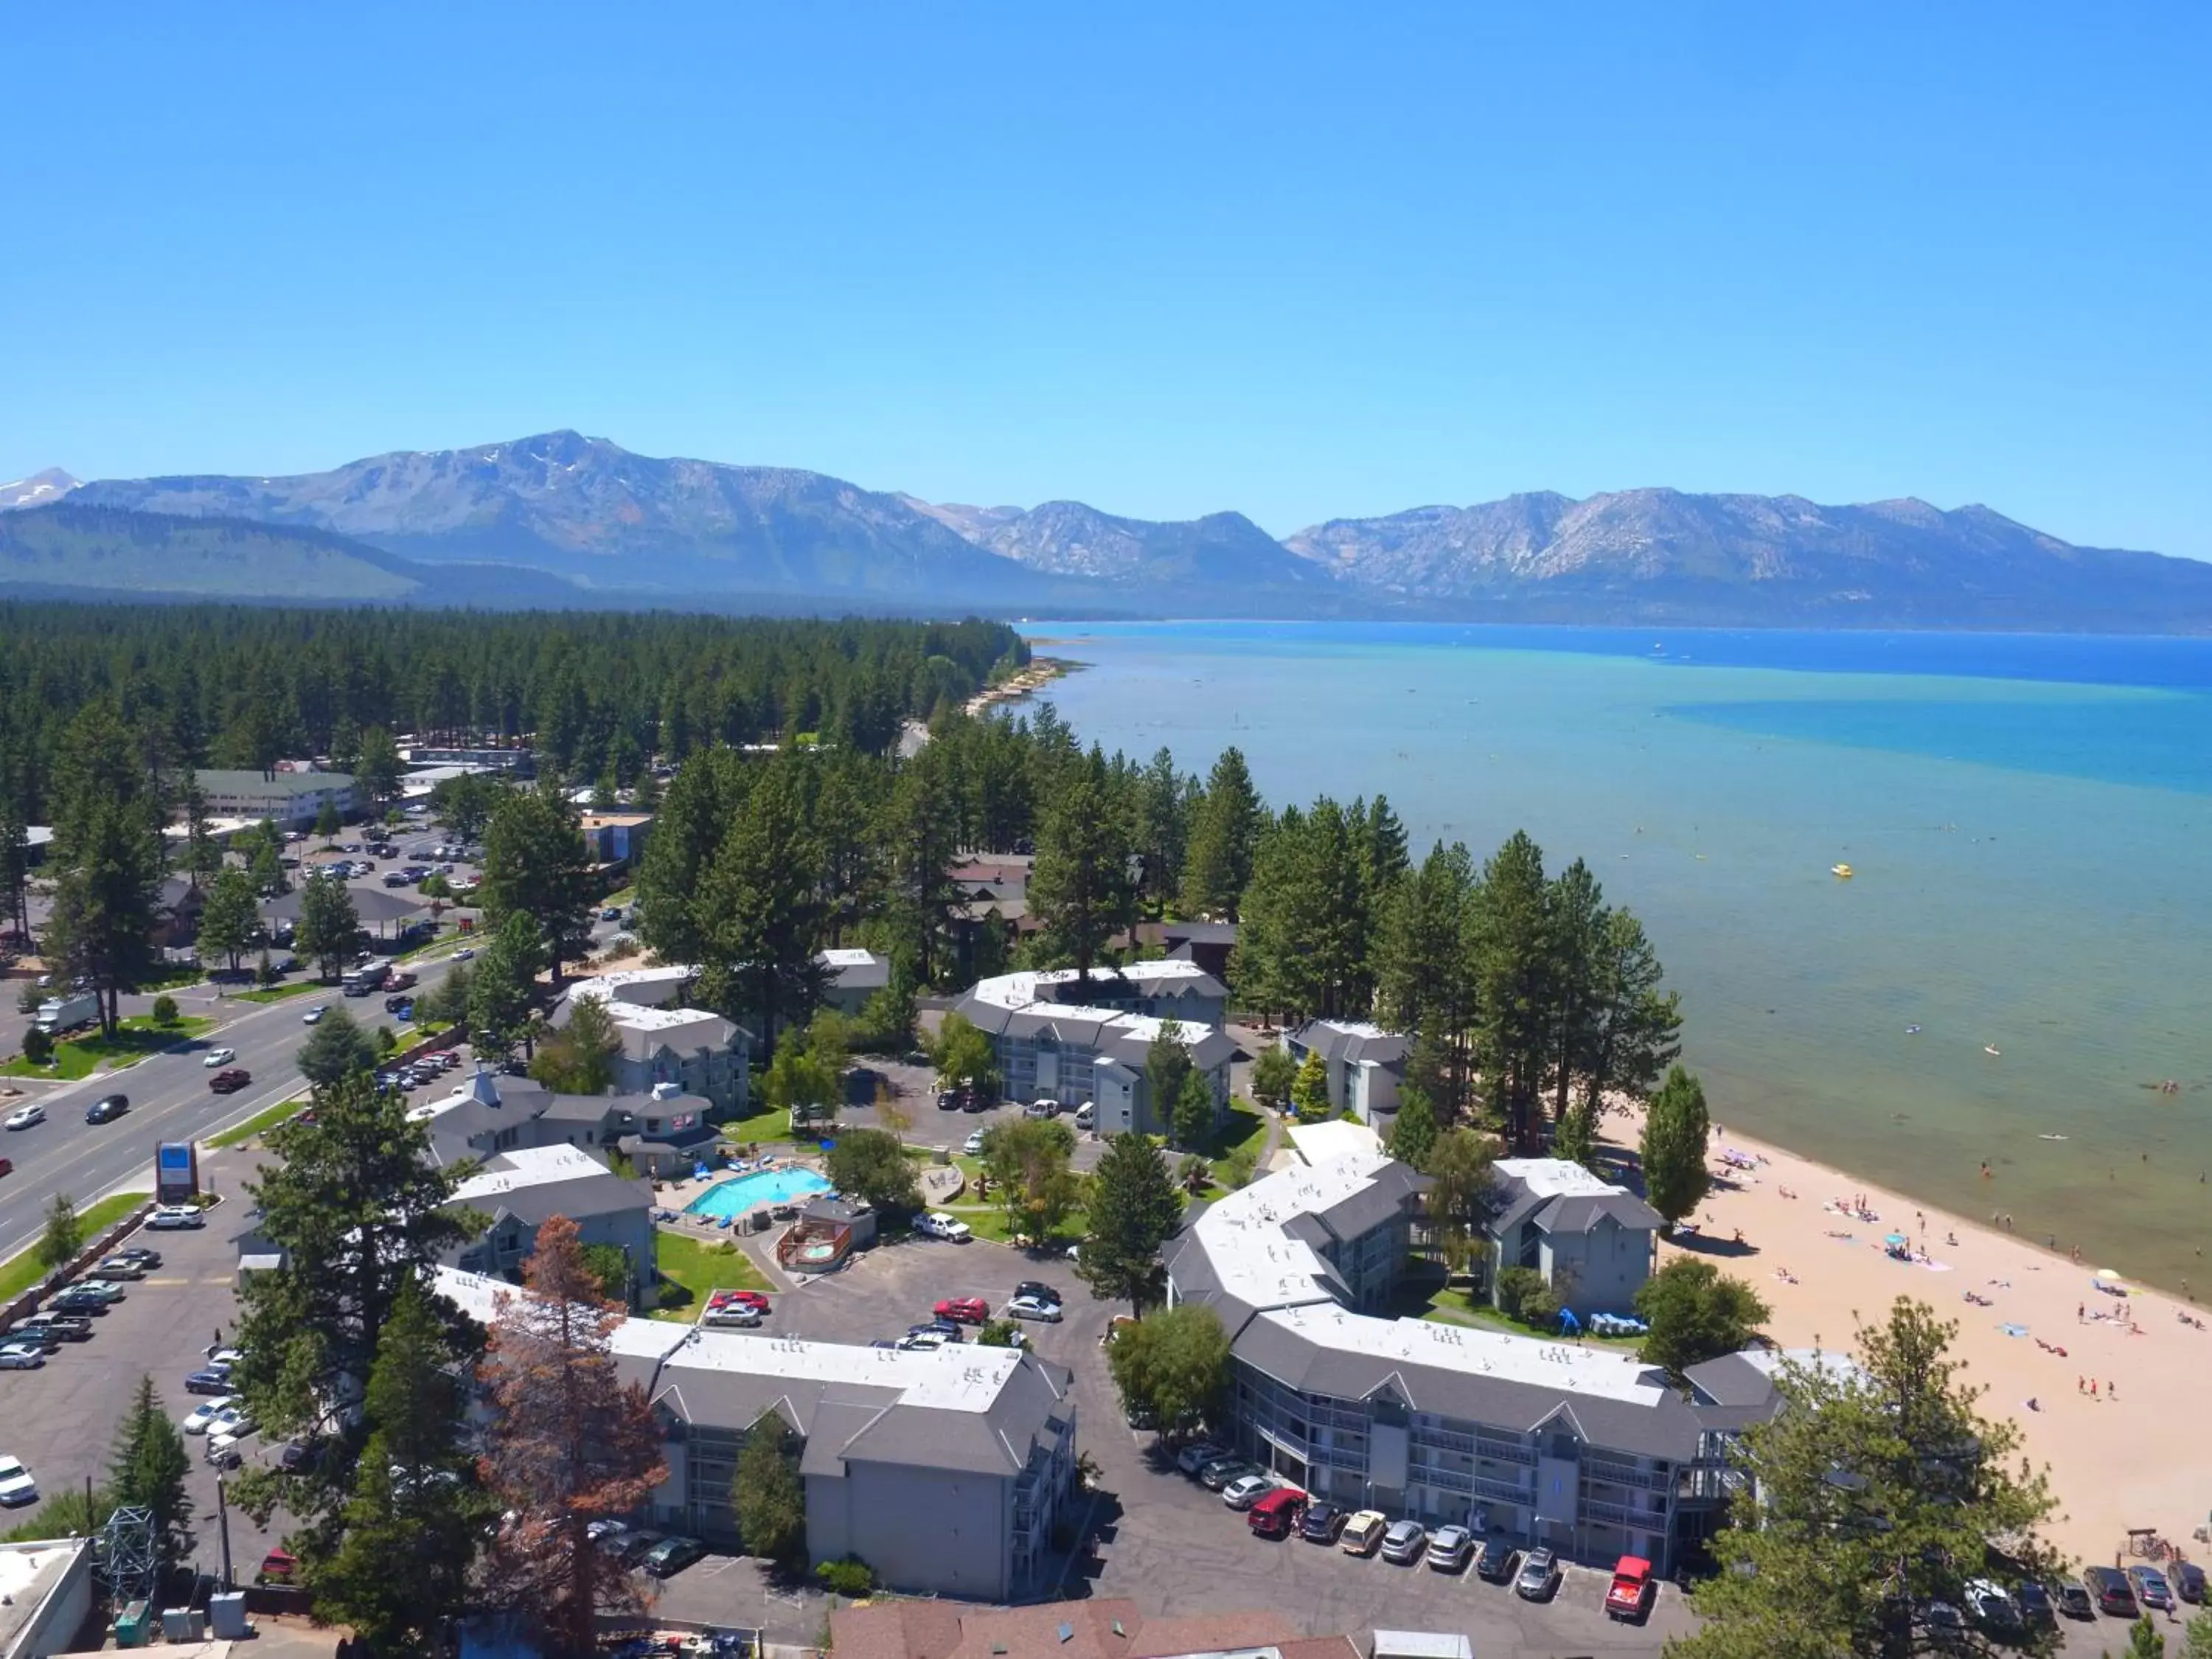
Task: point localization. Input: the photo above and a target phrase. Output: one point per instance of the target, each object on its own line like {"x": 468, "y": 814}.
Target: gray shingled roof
{"x": 1579, "y": 1213}
{"x": 1332, "y": 1042}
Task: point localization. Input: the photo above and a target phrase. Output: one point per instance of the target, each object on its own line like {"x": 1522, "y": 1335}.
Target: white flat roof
{"x": 1256, "y": 1261}
{"x": 638, "y": 1017}
{"x": 1359, "y": 1027}
{"x": 529, "y": 1166}
{"x": 844, "y": 956}
{"x": 1318, "y": 1143}
{"x": 1511, "y": 1358}
{"x": 964, "y": 1378}
{"x": 1555, "y": 1177}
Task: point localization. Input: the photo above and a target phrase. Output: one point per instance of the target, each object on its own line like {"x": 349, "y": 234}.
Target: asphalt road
{"x": 170, "y": 1100}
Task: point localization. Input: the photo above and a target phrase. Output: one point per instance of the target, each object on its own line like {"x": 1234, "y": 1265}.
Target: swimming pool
{"x": 742, "y": 1193}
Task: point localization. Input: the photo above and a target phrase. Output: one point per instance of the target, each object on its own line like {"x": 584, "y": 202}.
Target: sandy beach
{"x": 2132, "y": 1453}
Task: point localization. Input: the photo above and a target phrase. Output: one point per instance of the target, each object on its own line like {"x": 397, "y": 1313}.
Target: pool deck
{"x": 679, "y": 1195}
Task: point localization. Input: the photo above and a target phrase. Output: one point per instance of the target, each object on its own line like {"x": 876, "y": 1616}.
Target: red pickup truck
{"x": 1630, "y": 1595}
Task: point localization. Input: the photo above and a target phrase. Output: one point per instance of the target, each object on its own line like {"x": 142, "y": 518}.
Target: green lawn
{"x": 282, "y": 993}
{"x": 701, "y": 1267}
{"x": 18, "y": 1276}
{"x": 136, "y": 1037}
{"x": 258, "y": 1123}
{"x": 762, "y": 1128}
{"x": 1454, "y": 1307}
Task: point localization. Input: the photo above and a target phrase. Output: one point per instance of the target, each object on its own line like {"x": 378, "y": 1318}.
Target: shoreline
{"x": 1041, "y": 672}
{"x": 2029, "y": 1320}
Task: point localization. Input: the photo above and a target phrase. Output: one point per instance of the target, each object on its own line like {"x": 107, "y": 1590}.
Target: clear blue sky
{"x": 1297, "y": 260}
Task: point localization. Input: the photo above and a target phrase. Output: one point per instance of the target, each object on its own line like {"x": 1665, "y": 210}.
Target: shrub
{"x": 1539, "y": 1309}
{"x": 851, "y": 1577}
{"x": 165, "y": 1010}
{"x": 671, "y": 1294}
{"x": 1514, "y": 1286}
{"x": 37, "y": 1047}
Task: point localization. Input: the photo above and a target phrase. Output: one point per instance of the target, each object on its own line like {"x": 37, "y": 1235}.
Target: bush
{"x": 165, "y": 1010}
{"x": 1539, "y": 1309}
{"x": 1514, "y": 1286}
{"x": 37, "y": 1047}
{"x": 30, "y": 998}
{"x": 671, "y": 1295}
{"x": 851, "y": 1577}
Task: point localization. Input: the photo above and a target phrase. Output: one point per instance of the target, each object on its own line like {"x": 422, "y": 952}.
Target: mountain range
{"x": 563, "y": 518}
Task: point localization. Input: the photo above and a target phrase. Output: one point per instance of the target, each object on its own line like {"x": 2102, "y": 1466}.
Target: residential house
{"x": 664, "y": 1043}
{"x": 1585, "y": 1450}
{"x": 1594, "y": 1242}
{"x": 1365, "y": 1063}
{"x": 980, "y": 1441}
{"x": 852, "y": 977}
{"x": 661, "y": 1135}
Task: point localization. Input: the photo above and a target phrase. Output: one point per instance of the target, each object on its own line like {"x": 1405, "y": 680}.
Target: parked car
{"x": 1276, "y": 1511}
{"x": 1990, "y": 1609}
{"x": 944, "y": 1328}
{"x": 61, "y": 1327}
{"x": 1086, "y": 1115}
{"x": 27, "y": 1117}
{"x": 2034, "y": 1603}
{"x": 2073, "y": 1600}
{"x": 197, "y": 1419}
{"x": 2188, "y": 1581}
{"x": 1247, "y": 1490}
{"x": 145, "y": 1256}
{"x": 920, "y": 1341}
{"x": 948, "y": 1100}
{"x": 172, "y": 1217}
{"x": 1539, "y": 1576}
{"x": 107, "y": 1108}
{"x": 1946, "y": 1627}
{"x": 2109, "y": 1589}
{"x": 935, "y": 1224}
{"x": 1629, "y": 1596}
{"x": 1197, "y": 1455}
{"x": 730, "y": 1316}
{"x": 1321, "y": 1524}
{"x": 1451, "y": 1548}
{"x": 1218, "y": 1472}
{"x": 209, "y": 1382}
{"x": 1041, "y": 1109}
{"x": 23, "y": 1356}
{"x": 671, "y": 1556}
{"x": 17, "y": 1488}
{"x": 1495, "y": 1563}
{"x": 1030, "y": 1307}
{"x": 216, "y": 1057}
{"x": 973, "y": 1144}
{"x": 1363, "y": 1533}
{"x": 77, "y": 1300}
{"x": 1042, "y": 1291}
{"x": 2150, "y": 1586}
{"x": 964, "y": 1310}
{"x": 230, "y": 1082}
{"x": 1404, "y": 1542}
{"x": 118, "y": 1267}
{"x": 279, "y": 1566}
{"x": 106, "y": 1290}
{"x": 44, "y": 1341}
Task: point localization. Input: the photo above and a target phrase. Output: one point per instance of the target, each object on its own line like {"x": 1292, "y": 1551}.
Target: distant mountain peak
{"x": 39, "y": 489}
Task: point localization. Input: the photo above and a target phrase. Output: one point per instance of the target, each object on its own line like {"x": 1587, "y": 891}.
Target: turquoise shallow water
{"x": 739, "y": 1194}
{"x": 2033, "y": 859}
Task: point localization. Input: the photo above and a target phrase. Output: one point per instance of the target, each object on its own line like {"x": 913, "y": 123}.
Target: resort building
{"x": 851, "y": 977}
{"x": 291, "y": 800}
{"x": 1365, "y": 1064}
{"x": 518, "y": 1190}
{"x": 943, "y": 1469}
{"x": 665, "y": 1044}
{"x": 1585, "y": 1450}
{"x": 1594, "y": 1242}
{"x": 661, "y": 1135}
{"x": 616, "y": 840}
{"x": 1057, "y": 1036}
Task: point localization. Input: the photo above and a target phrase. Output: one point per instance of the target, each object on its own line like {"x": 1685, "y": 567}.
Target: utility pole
{"x": 223, "y": 1527}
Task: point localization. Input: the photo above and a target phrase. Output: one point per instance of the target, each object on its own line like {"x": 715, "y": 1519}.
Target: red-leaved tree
{"x": 571, "y": 1444}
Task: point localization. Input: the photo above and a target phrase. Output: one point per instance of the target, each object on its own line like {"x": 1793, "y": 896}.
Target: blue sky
{"x": 1302, "y": 261}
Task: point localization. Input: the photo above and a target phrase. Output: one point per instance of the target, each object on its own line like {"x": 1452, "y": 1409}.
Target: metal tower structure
{"x": 129, "y": 1556}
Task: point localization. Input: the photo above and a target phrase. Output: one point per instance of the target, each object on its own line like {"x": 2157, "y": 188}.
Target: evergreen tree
{"x": 1195, "y": 1110}
{"x": 376, "y": 769}
{"x": 766, "y": 1492}
{"x": 108, "y": 853}
{"x": 400, "y": 1573}
{"x": 1696, "y": 1313}
{"x": 228, "y": 919}
{"x": 63, "y": 1233}
{"x": 1676, "y": 1130}
{"x": 327, "y": 822}
{"x": 1167, "y": 1063}
{"x": 1575, "y": 1136}
{"x": 265, "y": 865}
{"x": 329, "y": 931}
{"x": 534, "y": 865}
{"x": 1509, "y": 936}
{"x": 1273, "y": 1071}
{"x": 578, "y": 1059}
{"x": 694, "y": 816}
{"x": 1079, "y": 887}
{"x": 1413, "y": 1135}
{"x": 920, "y": 831}
{"x": 504, "y": 984}
{"x": 762, "y": 900}
{"x": 202, "y": 857}
{"x": 1164, "y": 799}
{"x": 1638, "y": 1027}
{"x": 1134, "y": 1211}
{"x": 335, "y": 1050}
{"x": 1310, "y": 1089}
{"x": 1458, "y": 1191}
{"x": 1876, "y": 1487}
{"x": 570, "y": 1443}
{"x": 1575, "y": 925}
{"x": 1225, "y": 835}
{"x": 148, "y": 1467}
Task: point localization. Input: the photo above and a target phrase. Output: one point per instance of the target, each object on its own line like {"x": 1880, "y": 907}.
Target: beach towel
{"x": 2014, "y": 1330}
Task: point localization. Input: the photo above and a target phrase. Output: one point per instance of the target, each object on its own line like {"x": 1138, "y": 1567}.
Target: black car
{"x": 1495, "y": 1562}
{"x": 1321, "y": 1524}
{"x": 2073, "y": 1600}
{"x": 145, "y": 1256}
{"x": 76, "y": 1301}
{"x": 107, "y": 1108}
{"x": 214, "y": 1380}
{"x": 2034, "y": 1603}
{"x": 2109, "y": 1589}
{"x": 671, "y": 1556}
{"x": 2188, "y": 1580}
{"x": 948, "y": 1100}
{"x": 41, "y": 1337}
{"x": 1041, "y": 1290}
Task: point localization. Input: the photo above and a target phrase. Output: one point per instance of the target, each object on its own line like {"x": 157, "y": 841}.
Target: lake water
{"x": 2029, "y": 820}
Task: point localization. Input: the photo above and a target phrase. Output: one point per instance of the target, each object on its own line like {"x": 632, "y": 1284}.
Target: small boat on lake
{"x": 1842, "y": 870}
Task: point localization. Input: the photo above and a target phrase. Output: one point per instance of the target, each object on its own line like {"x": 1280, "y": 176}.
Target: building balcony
{"x": 1618, "y": 1514}
{"x": 1505, "y": 1451}
{"x": 1502, "y": 1492}
{"x": 1624, "y": 1474}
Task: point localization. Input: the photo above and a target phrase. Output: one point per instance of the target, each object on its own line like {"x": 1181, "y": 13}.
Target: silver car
{"x": 1540, "y": 1576}
{"x": 1404, "y": 1542}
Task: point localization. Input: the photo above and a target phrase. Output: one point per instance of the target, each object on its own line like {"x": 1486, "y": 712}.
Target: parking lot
{"x": 62, "y": 1418}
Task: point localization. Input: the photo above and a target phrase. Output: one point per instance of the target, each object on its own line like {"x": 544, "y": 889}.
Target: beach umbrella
{"x": 1895, "y": 1238}
{"x": 2110, "y": 1276}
